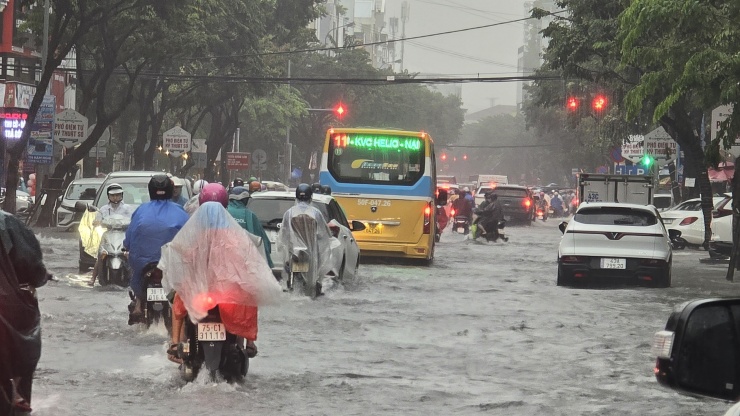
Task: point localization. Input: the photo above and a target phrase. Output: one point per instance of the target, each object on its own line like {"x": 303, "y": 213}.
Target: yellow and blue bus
{"x": 385, "y": 179}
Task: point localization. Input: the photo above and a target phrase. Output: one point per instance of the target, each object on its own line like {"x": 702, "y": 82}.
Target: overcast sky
{"x": 488, "y": 52}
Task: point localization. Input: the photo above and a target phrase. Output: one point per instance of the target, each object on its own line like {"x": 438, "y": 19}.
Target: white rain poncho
{"x": 296, "y": 234}
{"x": 213, "y": 261}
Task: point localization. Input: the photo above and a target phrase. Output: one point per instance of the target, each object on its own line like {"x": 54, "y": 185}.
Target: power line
{"x": 501, "y": 146}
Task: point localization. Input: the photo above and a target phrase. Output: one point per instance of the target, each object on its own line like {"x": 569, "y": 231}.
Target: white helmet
{"x": 198, "y": 185}
{"x": 466, "y": 189}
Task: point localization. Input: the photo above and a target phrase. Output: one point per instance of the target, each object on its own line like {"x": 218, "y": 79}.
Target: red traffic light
{"x": 572, "y": 103}
{"x": 339, "y": 110}
{"x": 599, "y": 103}
{"x": 444, "y": 156}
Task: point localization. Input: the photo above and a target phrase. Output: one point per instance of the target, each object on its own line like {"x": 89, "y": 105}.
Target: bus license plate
{"x": 373, "y": 229}
{"x": 212, "y": 331}
{"x": 155, "y": 294}
{"x": 299, "y": 267}
{"x": 612, "y": 263}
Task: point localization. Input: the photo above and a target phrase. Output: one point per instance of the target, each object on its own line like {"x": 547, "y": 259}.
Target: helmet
{"x": 326, "y": 189}
{"x": 160, "y": 187}
{"x": 213, "y": 192}
{"x": 303, "y": 192}
{"x": 255, "y": 186}
{"x": 114, "y": 189}
{"x": 198, "y": 185}
{"x": 252, "y": 178}
{"x": 466, "y": 189}
{"x": 239, "y": 193}
{"x": 238, "y": 182}
{"x": 316, "y": 188}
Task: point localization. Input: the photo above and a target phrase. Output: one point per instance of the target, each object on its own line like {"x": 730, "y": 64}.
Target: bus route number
{"x": 374, "y": 202}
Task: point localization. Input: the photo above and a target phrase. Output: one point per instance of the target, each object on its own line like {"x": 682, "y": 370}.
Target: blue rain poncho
{"x": 153, "y": 225}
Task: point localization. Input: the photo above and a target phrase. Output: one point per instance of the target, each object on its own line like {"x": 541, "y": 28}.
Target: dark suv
{"x": 517, "y": 202}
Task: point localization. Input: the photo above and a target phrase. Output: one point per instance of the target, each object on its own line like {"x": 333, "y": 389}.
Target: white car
{"x": 688, "y": 218}
{"x": 269, "y": 206}
{"x": 721, "y": 243}
{"x": 615, "y": 243}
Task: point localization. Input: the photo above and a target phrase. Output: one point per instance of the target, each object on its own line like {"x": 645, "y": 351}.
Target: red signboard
{"x": 237, "y": 161}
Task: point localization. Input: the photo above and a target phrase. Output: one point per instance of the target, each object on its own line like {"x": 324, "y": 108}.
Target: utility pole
{"x": 405, "y": 9}
{"x": 288, "y": 147}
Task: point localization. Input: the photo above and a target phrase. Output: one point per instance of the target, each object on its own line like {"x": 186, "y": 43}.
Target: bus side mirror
{"x": 697, "y": 351}
{"x": 357, "y": 225}
{"x": 441, "y": 197}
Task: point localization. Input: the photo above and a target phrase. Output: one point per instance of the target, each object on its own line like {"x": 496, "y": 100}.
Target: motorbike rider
{"x": 489, "y": 214}
{"x": 463, "y": 206}
{"x": 22, "y": 270}
{"x": 177, "y": 196}
{"x": 238, "y": 198}
{"x": 192, "y": 204}
{"x": 289, "y": 238}
{"x": 557, "y": 205}
{"x": 153, "y": 225}
{"x": 190, "y": 270}
{"x": 254, "y": 186}
{"x": 237, "y": 182}
{"x": 542, "y": 204}
{"x": 115, "y": 206}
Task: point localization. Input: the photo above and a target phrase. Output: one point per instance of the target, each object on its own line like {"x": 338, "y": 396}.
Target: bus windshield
{"x": 376, "y": 158}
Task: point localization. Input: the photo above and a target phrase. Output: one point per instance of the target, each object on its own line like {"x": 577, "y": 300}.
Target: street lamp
{"x": 336, "y": 33}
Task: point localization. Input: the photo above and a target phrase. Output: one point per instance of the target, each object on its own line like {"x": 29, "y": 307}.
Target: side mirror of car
{"x": 697, "y": 351}
{"x": 357, "y": 225}
{"x": 562, "y": 226}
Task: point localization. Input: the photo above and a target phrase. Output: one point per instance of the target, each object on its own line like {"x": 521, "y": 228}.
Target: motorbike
{"x": 491, "y": 235}
{"x": 302, "y": 269}
{"x": 157, "y": 305}
{"x": 442, "y": 220}
{"x": 115, "y": 270}
{"x": 460, "y": 223}
{"x": 209, "y": 344}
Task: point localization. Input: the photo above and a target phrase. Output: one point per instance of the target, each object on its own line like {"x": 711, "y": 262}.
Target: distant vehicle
{"x": 23, "y": 201}
{"x": 490, "y": 180}
{"x": 275, "y": 186}
{"x": 630, "y": 189}
{"x": 270, "y": 206}
{"x": 697, "y": 351}
{"x": 83, "y": 189}
{"x": 446, "y": 179}
{"x": 387, "y": 180}
{"x": 688, "y": 218}
{"x": 663, "y": 202}
{"x": 615, "y": 243}
{"x": 517, "y": 201}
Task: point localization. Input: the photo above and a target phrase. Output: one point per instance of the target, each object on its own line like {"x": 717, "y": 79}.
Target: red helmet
{"x": 214, "y": 192}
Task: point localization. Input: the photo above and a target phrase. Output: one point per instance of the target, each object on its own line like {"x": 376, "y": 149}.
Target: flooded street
{"x": 485, "y": 330}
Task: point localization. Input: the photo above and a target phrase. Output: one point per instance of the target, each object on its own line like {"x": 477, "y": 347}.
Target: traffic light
{"x": 443, "y": 157}
{"x": 572, "y": 104}
{"x": 599, "y": 103}
{"x": 339, "y": 111}
{"x": 647, "y": 161}
{"x": 465, "y": 157}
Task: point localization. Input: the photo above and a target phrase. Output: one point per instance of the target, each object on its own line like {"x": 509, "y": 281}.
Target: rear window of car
{"x": 689, "y": 206}
{"x": 615, "y": 216}
{"x": 662, "y": 201}
{"x": 510, "y": 192}
{"x": 135, "y": 190}
{"x": 270, "y": 211}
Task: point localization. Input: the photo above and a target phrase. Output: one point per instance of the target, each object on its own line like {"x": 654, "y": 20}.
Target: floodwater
{"x": 485, "y": 330}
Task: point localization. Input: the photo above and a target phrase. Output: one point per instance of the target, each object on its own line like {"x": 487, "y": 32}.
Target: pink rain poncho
{"x": 213, "y": 261}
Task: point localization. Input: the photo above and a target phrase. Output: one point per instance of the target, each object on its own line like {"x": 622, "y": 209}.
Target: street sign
{"x": 176, "y": 141}
{"x": 70, "y": 128}
{"x": 104, "y": 138}
{"x": 41, "y": 144}
{"x": 237, "y": 160}
{"x": 719, "y": 115}
{"x": 200, "y": 159}
{"x": 259, "y": 159}
{"x": 97, "y": 152}
{"x": 658, "y": 144}
{"x": 630, "y": 170}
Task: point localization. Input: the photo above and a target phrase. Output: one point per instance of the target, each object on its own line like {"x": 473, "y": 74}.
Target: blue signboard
{"x": 630, "y": 170}
{"x": 41, "y": 143}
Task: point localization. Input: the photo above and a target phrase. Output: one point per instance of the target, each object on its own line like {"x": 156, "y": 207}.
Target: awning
{"x": 724, "y": 172}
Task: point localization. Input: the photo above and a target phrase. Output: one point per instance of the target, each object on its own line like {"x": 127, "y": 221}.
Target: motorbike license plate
{"x": 460, "y": 229}
{"x": 612, "y": 263}
{"x": 299, "y": 267}
{"x": 155, "y": 294}
{"x": 212, "y": 331}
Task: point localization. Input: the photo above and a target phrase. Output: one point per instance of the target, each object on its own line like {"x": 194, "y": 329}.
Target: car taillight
{"x": 688, "y": 220}
{"x": 452, "y": 213}
{"x": 427, "y": 216}
{"x": 527, "y": 203}
{"x": 571, "y": 259}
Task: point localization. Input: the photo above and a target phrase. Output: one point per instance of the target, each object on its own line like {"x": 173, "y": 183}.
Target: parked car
{"x": 270, "y": 206}
{"x": 517, "y": 201}
{"x": 720, "y": 244}
{"x": 688, "y": 218}
{"x": 135, "y": 192}
{"x": 615, "y": 243}
{"x": 663, "y": 202}
{"x": 83, "y": 189}
{"x": 697, "y": 351}
{"x": 23, "y": 200}
{"x": 724, "y": 207}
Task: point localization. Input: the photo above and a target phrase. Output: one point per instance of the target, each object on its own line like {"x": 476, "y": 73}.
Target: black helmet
{"x": 160, "y": 187}
{"x": 238, "y": 182}
{"x": 303, "y": 192}
{"x": 316, "y": 188}
{"x": 326, "y": 189}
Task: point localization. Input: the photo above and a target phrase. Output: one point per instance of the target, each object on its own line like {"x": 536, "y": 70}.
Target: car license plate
{"x": 460, "y": 229}
{"x": 212, "y": 331}
{"x": 611, "y": 263}
{"x": 299, "y": 267}
{"x": 155, "y": 294}
{"x": 667, "y": 220}
{"x": 374, "y": 229}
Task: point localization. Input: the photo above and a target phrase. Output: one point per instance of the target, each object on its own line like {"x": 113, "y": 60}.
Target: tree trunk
{"x": 734, "y": 263}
